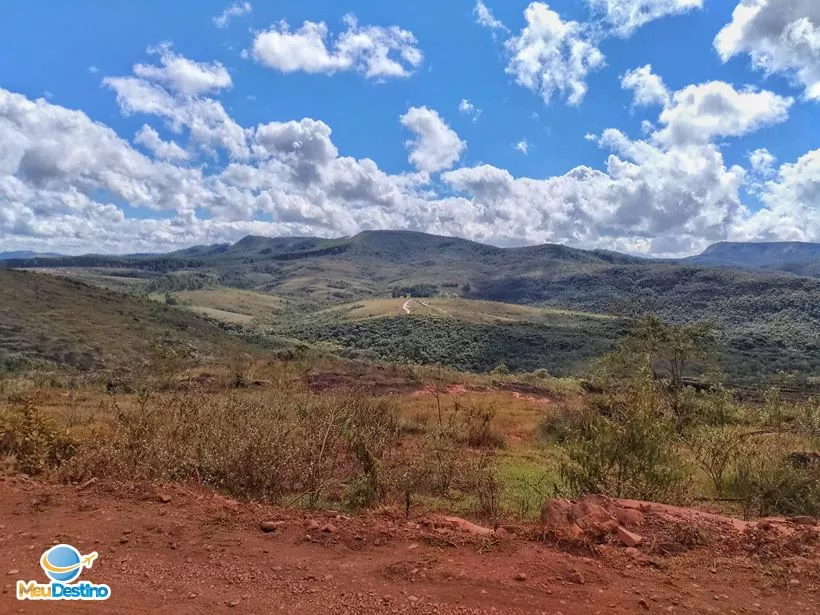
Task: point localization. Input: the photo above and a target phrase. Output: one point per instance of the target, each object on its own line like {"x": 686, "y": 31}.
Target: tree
{"x": 671, "y": 353}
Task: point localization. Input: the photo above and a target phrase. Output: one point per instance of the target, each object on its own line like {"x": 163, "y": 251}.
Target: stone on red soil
{"x": 329, "y": 528}
{"x": 271, "y": 526}
{"x": 628, "y": 517}
{"x": 557, "y": 513}
{"x": 467, "y": 526}
{"x": 164, "y": 498}
{"x": 592, "y": 517}
{"x": 630, "y": 539}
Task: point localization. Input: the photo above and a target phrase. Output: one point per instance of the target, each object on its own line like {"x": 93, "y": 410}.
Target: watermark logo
{"x": 63, "y": 565}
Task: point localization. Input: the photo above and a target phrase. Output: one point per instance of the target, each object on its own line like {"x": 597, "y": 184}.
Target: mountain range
{"x": 764, "y": 298}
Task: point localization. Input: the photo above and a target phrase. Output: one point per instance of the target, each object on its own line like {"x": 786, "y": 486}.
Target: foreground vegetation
{"x": 495, "y": 446}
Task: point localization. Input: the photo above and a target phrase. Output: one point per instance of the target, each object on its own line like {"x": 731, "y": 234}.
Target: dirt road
{"x": 197, "y": 552}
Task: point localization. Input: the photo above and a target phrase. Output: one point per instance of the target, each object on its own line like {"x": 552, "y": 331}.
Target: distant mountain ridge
{"x": 24, "y": 254}
{"x": 801, "y": 258}
{"x": 766, "y": 303}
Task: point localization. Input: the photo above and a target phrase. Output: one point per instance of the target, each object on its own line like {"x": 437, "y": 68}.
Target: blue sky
{"x": 535, "y": 165}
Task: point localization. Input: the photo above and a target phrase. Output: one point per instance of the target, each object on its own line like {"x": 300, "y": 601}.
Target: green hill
{"x": 46, "y": 320}
{"x": 770, "y": 320}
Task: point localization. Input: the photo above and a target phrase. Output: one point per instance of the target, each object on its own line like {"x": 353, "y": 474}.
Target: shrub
{"x": 478, "y": 428}
{"x": 291, "y": 443}
{"x": 560, "y": 424}
{"x": 29, "y": 442}
{"x": 625, "y": 446}
{"x": 715, "y": 450}
{"x": 767, "y": 483}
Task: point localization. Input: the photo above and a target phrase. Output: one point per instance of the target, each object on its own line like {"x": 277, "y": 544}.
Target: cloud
{"x": 67, "y": 180}
{"x": 648, "y": 200}
{"x": 235, "y": 10}
{"x": 468, "y": 108}
{"x": 791, "y": 201}
{"x": 762, "y": 168}
{"x": 647, "y": 87}
{"x": 93, "y": 70}
{"x": 485, "y": 17}
{"x": 164, "y": 150}
{"x": 182, "y": 75}
{"x": 780, "y": 37}
{"x": 209, "y": 126}
{"x": 551, "y": 56}
{"x": 435, "y": 146}
{"x": 522, "y": 146}
{"x": 699, "y": 113}
{"x": 373, "y": 51}
{"x": 626, "y": 16}
{"x": 762, "y": 162}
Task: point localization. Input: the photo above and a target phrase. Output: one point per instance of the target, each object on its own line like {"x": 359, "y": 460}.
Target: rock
{"x": 88, "y": 483}
{"x": 633, "y": 553}
{"x": 557, "y": 513}
{"x": 468, "y": 526}
{"x": 575, "y": 576}
{"x": 593, "y": 518}
{"x": 164, "y": 498}
{"x": 270, "y": 526}
{"x": 329, "y": 528}
{"x": 628, "y": 517}
{"x": 643, "y": 604}
{"x": 630, "y": 539}
{"x": 313, "y": 525}
{"x": 520, "y": 576}
{"x": 13, "y": 571}
{"x": 573, "y": 532}
{"x": 764, "y": 524}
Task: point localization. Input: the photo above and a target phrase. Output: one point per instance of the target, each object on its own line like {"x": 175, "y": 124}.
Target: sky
{"x": 653, "y": 127}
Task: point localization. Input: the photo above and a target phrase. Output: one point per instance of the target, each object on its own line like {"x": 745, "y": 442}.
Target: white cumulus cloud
{"x": 552, "y": 56}
{"x": 780, "y": 37}
{"x": 468, "y": 108}
{"x": 235, "y": 10}
{"x": 626, "y": 16}
{"x": 702, "y": 112}
{"x": 182, "y": 75}
{"x": 435, "y": 145}
{"x": 647, "y": 87}
{"x": 484, "y": 16}
{"x": 164, "y": 150}
{"x": 373, "y": 51}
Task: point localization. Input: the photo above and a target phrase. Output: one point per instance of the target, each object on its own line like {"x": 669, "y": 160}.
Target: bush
{"x": 478, "y": 428}
{"x": 625, "y": 447}
{"x": 715, "y": 450}
{"x": 29, "y": 442}
{"x": 767, "y": 483}
{"x": 292, "y": 443}
{"x": 560, "y": 424}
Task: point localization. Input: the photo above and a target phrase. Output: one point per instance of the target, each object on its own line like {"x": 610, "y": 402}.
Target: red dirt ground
{"x": 202, "y": 553}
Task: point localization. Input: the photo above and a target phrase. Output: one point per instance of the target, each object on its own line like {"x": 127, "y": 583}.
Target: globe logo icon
{"x": 62, "y": 563}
